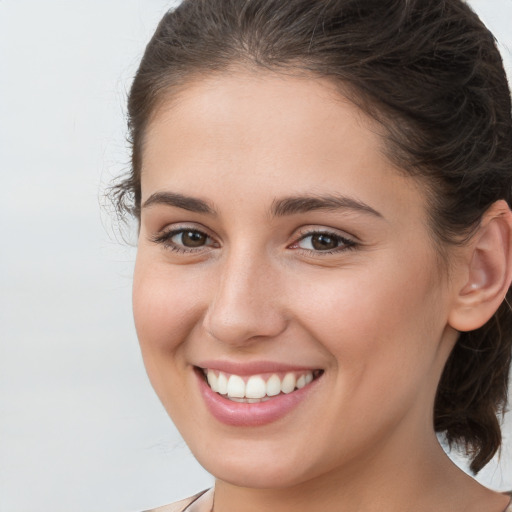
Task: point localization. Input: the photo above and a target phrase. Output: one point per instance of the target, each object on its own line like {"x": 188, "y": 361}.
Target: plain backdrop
{"x": 80, "y": 427}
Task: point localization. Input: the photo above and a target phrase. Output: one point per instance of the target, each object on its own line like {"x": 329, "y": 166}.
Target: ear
{"x": 487, "y": 271}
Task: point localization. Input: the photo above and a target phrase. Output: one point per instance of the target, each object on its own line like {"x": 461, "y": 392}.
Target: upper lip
{"x": 253, "y": 367}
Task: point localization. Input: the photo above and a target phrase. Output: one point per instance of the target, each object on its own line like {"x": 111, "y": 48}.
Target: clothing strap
{"x": 179, "y": 506}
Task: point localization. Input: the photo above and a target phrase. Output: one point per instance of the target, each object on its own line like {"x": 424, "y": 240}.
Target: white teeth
{"x": 255, "y": 387}
{"x": 288, "y": 384}
{"x": 222, "y": 384}
{"x": 239, "y": 400}
{"x": 273, "y": 386}
{"x": 212, "y": 380}
{"x": 301, "y": 382}
{"x": 249, "y": 400}
{"x": 236, "y": 387}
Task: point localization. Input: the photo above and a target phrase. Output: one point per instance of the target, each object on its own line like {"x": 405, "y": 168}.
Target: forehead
{"x": 253, "y": 107}
{"x": 284, "y": 134}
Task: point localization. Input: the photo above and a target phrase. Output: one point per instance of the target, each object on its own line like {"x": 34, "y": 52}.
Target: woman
{"x": 324, "y": 253}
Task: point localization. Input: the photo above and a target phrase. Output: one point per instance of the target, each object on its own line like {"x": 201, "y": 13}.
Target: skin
{"x": 375, "y": 316}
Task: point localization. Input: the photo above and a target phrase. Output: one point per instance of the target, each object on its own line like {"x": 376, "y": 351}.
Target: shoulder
{"x": 177, "y": 506}
{"x": 509, "y": 508}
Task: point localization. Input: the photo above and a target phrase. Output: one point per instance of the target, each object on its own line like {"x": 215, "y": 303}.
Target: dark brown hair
{"x": 430, "y": 73}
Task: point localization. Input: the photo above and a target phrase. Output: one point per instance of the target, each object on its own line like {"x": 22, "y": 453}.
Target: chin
{"x": 267, "y": 475}
{"x": 260, "y": 466}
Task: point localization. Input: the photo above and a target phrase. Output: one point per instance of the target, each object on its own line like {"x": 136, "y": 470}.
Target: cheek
{"x": 166, "y": 305}
{"x": 381, "y": 325}
{"x": 166, "y": 310}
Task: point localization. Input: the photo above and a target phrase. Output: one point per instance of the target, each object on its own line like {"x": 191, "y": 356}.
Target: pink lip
{"x": 251, "y": 415}
{"x": 253, "y": 368}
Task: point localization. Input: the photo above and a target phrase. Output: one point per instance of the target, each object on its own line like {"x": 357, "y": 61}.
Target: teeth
{"x": 239, "y": 400}
{"x": 222, "y": 384}
{"x": 249, "y": 400}
{"x": 236, "y": 387}
{"x": 212, "y": 380}
{"x": 301, "y": 382}
{"x": 273, "y": 385}
{"x": 256, "y": 389}
{"x": 288, "y": 384}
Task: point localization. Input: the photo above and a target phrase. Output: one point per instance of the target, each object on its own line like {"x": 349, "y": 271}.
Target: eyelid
{"x": 304, "y": 231}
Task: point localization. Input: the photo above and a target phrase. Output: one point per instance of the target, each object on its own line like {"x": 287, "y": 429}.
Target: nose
{"x": 245, "y": 305}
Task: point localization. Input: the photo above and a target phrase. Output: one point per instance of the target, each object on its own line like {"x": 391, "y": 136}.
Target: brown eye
{"x": 325, "y": 242}
{"x": 190, "y": 238}
{"x": 185, "y": 240}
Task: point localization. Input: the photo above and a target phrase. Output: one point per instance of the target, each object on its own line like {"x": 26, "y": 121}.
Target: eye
{"x": 189, "y": 238}
{"x": 323, "y": 241}
{"x": 184, "y": 240}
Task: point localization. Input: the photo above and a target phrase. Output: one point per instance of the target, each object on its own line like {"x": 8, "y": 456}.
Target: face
{"x": 282, "y": 258}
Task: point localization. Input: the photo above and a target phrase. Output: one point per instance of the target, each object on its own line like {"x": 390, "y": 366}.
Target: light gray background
{"x": 80, "y": 428}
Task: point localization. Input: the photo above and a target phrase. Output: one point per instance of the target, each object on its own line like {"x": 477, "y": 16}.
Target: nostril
{"x": 244, "y": 306}
{"x": 243, "y": 324}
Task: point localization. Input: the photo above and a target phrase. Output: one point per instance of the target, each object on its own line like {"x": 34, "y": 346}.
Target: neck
{"x": 422, "y": 478}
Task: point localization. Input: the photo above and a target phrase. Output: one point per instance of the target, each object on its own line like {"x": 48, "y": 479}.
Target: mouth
{"x": 257, "y": 388}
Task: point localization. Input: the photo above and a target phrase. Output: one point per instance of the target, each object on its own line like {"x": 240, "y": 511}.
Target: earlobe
{"x": 488, "y": 271}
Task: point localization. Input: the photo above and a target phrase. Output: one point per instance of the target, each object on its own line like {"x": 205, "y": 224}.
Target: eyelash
{"x": 165, "y": 239}
{"x": 345, "y": 244}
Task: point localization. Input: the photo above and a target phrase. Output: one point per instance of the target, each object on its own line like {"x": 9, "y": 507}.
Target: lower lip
{"x": 251, "y": 415}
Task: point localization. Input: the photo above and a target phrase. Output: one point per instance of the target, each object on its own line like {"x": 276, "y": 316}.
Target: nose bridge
{"x": 244, "y": 304}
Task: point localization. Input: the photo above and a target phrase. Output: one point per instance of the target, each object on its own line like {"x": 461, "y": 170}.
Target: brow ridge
{"x": 280, "y": 207}
{"x": 192, "y": 204}
{"x": 303, "y": 204}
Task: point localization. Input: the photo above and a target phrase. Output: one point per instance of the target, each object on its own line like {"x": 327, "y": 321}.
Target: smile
{"x": 257, "y": 388}
{"x": 257, "y": 393}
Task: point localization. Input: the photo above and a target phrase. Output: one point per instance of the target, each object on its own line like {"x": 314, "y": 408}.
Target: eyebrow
{"x": 191, "y": 204}
{"x": 304, "y": 204}
{"x": 280, "y": 207}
